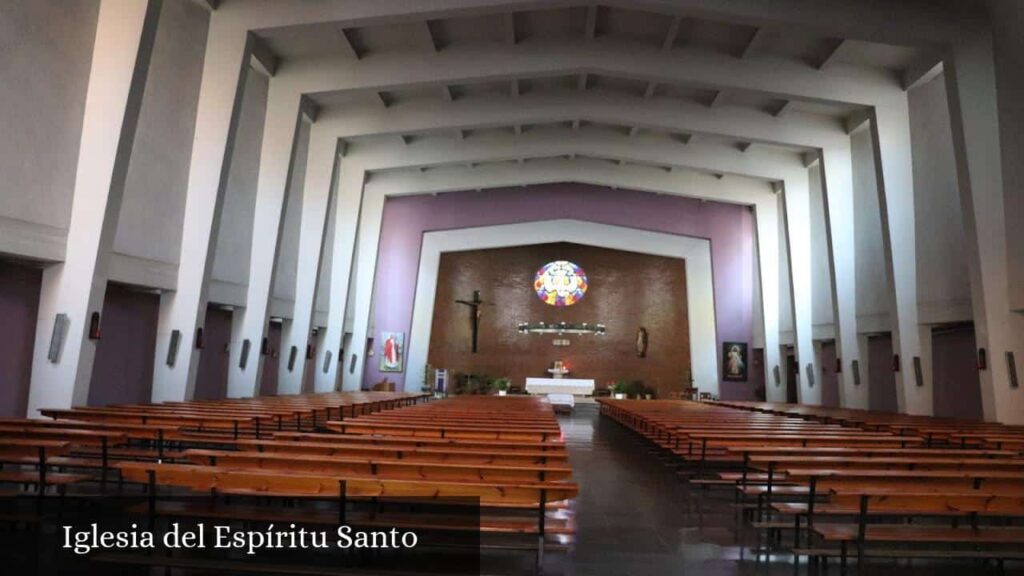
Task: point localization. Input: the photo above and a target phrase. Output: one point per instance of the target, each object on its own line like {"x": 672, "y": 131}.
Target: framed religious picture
{"x": 734, "y": 367}
{"x": 391, "y": 350}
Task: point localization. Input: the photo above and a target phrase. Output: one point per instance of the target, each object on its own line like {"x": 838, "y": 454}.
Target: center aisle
{"x": 635, "y": 517}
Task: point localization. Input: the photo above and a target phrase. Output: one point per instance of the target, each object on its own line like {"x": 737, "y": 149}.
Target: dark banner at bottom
{"x": 203, "y": 535}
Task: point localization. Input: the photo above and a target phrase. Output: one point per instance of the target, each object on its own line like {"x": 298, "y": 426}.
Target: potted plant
{"x": 502, "y": 384}
{"x": 619, "y": 390}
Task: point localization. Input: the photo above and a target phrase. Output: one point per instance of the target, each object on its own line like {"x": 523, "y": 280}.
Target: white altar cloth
{"x": 576, "y": 386}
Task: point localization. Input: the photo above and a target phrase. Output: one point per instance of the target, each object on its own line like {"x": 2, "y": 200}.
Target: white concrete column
{"x": 863, "y": 369}
{"x": 890, "y": 130}
{"x": 971, "y": 90}
{"x": 347, "y": 212}
{"x": 225, "y": 68}
{"x": 125, "y": 33}
{"x": 318, "y": 198}
{"x": 370, "y": 218}
{"x": 797, "y": 215}
{"x": 837, "y": 188}
{"x": 767, "y": 221}
{"x": 280, "y": 134}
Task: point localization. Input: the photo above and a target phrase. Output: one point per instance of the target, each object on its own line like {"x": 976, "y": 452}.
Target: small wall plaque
{"x": 60, "y": 328}
{"x": 560, "y": 342}
{"x": 244, "y": 359}
{"x": 172, "y": 348}
{"x": 291, "y": 357}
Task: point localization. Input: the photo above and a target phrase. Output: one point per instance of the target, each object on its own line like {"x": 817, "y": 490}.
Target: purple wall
{"x": 122, "y": 372}
{"x": 730, "y": 228}
{"x": 955, "y": 374}
{"x": 19, "y": 309}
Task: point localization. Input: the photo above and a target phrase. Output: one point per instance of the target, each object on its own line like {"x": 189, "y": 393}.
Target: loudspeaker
{"x": 895, "y": 362}
{"x": 839, "y": 365}
{"x": 982, "y": 359}
{"x": 810, "y": 374}
{"x": 172, "y": 348}
{"x": 352, "y": 364}
{"x": 1011, "y": 367}
{"x": 777, "y": 375}
{"x": 199, "y": 338}
{"x": 265, "y": 346}
{"x": 60, "y": 328}
{"x": 245, "y": 354}
{"x": 327, "y": 361}
{"x": 918, "y": 375}
{"x": 291, "y": 357}
{"x": 855, "y": 366}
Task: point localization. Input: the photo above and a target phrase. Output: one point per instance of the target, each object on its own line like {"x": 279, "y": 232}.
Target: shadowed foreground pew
{"x": 889, "y": 485}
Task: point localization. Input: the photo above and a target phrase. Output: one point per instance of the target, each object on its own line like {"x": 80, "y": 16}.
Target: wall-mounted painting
{"x": 392, "y": 348}
{"x": 734, "y": 356}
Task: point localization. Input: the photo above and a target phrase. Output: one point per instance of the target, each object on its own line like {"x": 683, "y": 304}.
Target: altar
{"x": 575, "y": 386}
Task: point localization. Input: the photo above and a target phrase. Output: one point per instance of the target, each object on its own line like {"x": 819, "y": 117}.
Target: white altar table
{"x": 577, "y": 386}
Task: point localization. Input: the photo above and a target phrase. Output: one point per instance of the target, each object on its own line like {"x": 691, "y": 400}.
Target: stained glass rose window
{"x": 560, "y": 283}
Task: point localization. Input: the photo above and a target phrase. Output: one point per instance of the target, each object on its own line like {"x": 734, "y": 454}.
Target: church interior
{"x": 580, "y": 287}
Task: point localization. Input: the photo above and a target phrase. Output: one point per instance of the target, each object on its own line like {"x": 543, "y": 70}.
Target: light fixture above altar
{"x": 560, "y": 328}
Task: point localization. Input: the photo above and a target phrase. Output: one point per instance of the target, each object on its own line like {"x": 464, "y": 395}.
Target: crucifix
{"x": 474, "y": 306}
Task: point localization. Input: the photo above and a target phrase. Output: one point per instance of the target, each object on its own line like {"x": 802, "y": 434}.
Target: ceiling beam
{"x": 590, "y": 26}
{"x": 406, "y": 139}
{"x": 514, "y": 88}
{"x": 446, "y": 93}
{"x": 833, "y": 48}
{"x": 922, "y": 70}
{"x": 509, "y": 25}
{"x": 633, "y": 131}
{"x": 783, "y": 108}
{"x": 757, "y": 40}
{"x": 458, "y": 64}
{"x": 428, "y": 27}
{"x": 517, "y": 129}
{"x": 672, "y": 34}
{"x": 384, "y": 98}
{"x": 652, "y": 87}
{"x": 717, "y": 99}
{"x": 744, "y": 146}
{"x": 581, "y": 83}
{"x": 263, "y": 58}
{"x": 348, "y": 43}
{"x": 885, "y": 22}
{"x": 663, "y": 115}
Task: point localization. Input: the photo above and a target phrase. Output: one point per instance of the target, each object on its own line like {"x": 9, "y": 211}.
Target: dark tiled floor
{"x": 636, "y": 518}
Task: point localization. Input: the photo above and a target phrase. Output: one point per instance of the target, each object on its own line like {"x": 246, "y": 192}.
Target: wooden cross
{"x": 474, "y": 306}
